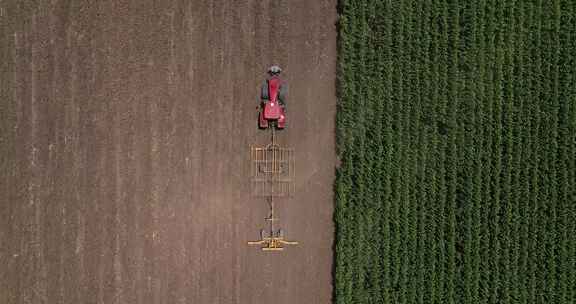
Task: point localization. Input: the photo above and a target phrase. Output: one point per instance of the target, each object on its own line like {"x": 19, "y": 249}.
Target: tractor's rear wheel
{"x": 264, "y": 93}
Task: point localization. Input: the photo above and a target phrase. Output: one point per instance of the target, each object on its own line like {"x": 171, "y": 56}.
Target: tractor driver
{"x": 274, "y": 72}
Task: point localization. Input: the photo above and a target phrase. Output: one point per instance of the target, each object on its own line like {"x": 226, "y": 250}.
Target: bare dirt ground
{"x": 124, "y": 150}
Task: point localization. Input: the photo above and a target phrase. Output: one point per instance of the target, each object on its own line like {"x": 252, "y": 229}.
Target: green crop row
{"x": 456, "y": 131}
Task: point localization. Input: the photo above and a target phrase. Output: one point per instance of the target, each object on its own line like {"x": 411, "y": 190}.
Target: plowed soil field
{"x": 124, "y": 151}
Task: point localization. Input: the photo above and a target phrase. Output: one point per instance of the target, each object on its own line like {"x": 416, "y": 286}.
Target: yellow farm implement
{"x": 272, "y": 177}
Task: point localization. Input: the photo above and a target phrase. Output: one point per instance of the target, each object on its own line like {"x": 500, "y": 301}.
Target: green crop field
{"x": 456, "y": 133}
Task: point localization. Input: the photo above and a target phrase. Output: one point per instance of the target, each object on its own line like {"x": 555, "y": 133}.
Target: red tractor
{"x": 272, "y": 108}
{"x": 272, "y": 166}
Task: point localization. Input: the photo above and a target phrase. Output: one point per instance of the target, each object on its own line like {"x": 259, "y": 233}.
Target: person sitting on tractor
{"x": 274, "y": 72}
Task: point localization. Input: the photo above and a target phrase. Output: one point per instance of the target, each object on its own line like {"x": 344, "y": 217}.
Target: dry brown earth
{"x": 125, "y": 128}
